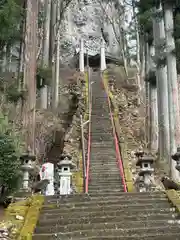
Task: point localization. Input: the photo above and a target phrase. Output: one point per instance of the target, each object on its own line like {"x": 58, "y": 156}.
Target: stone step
{"x": 101, "y": 131}
{"x": 97, "y": 117}
{"x": 104, "y": 169}
{"x": 109, "y": 212}
{"x": 110, "y": 160}
{"x": 102, "y": 127}
{"x": 102, "y": 158}
{"x": 143, "y": 237}
{"x": 115, "y": 206}
{"x": 104, "y": 144}
{"x": 104, "y": 137}
{"x": 112, "y": 193}
{"x": 104, "y": 175}
{"x": 100, "y": 104}
{"x": 108, "y": 145}
{"x": 101, "y": 109}
{"x": 105, "y": 202}
{"x": 127, "y": 195}
{"x": 103, "y": 150}
{"x": 63, "y": 220}
{"x": 106, "y": 188}
{"x": 121, "y": 197}
{"x": 101, "y": 112}
{"x": 99, "y": 122}
{"x": 128, "y": 232}
{"x": 104, "y": 185}
{"x": 104, "y": 163}
{"x": 103, "y": 155}
{"x": 107, "y": 225}
{"x": 95, "y": 163}
{"x": 99, "y": 97}
{"x": 104, "y": 182}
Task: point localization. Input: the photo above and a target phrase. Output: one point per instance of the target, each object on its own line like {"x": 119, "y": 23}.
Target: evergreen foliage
{"x": 10, "y": 15}
{"x": 9, "y": 157}
{"x": 145, "y": 22}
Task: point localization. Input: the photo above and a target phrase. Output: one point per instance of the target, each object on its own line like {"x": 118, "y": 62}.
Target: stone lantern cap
{"x": 66, "y": 162}
{"x": 176, "y": 156}
{"x": 139, "y": 154}
{"x": 145, "y": 159}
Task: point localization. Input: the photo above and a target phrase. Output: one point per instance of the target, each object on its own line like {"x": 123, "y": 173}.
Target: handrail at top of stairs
{"x": 89, "y": 134}
{"x": 118, "y": 154}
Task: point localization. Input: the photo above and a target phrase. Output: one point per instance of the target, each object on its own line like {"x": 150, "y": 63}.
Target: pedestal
{"x": 65, "y": 184}
{"x": 26, "y": 180}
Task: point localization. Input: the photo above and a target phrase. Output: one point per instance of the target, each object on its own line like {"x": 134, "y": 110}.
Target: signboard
{"x": 47, "y": 172}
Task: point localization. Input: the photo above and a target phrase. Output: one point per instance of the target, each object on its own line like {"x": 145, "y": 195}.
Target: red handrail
{"x": 89, "y": 146}
{"x": 118, "y": 155}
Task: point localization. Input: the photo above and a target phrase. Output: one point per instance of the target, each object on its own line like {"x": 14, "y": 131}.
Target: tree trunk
{"x": 154, "y": 119}
{"x": 141, "y": 82}
{"x": 142, "y": 58}
{"x": 153, "y": 108}
{"x": 53, "y": 47}
{"x": 57, "y": 62}
{"x": 147, "y": 97}
{"x": 162, "y": 90}
{"x": 8, "y": 58}
{"x": 174, "y": 118}
{"x": 45, "y": 57}
{"x": 30, "y": 71}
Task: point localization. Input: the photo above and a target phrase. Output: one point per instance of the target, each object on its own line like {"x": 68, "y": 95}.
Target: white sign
{"x": 47, "y": 172}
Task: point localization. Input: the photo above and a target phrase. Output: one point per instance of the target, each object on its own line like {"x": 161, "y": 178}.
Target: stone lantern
{"x": 146, "y": 169}
{"x": 176, "y": 157}
{"x": 65, "y": 166}
{"x": 27, "y": 167}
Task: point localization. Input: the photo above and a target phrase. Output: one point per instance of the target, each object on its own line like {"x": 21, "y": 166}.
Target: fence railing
{"x": 118, "y": 154}
{"x": 86, "y": 157}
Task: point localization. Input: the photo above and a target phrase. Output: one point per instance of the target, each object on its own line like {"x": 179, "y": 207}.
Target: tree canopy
{"x": 10, "y": 16}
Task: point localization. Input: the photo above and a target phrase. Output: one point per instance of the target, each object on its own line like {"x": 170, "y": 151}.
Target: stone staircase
{"x": 104, "y": 172}
{"x": 135, "y": 216}
{"x": 106, "y": 212}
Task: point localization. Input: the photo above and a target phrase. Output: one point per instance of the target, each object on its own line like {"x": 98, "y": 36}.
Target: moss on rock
{"x": 31, "y": 218}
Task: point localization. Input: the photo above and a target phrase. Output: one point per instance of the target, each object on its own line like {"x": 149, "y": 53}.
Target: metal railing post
{"x": 83, "y": 152}
{"x": 83, "y": 149}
